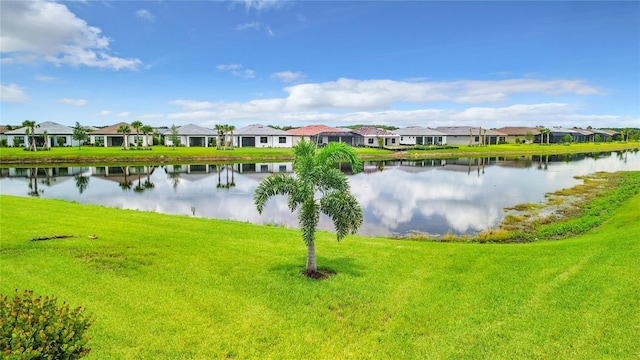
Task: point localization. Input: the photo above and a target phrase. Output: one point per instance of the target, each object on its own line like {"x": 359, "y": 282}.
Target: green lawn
{"x": 177, "y": 287}
{"x": 88, "y": 154}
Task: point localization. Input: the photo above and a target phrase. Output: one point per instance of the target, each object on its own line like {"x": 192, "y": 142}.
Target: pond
{"x": 435, "y": 196}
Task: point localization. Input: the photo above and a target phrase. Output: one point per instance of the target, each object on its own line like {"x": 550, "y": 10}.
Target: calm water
{"x": 461, "y": 196}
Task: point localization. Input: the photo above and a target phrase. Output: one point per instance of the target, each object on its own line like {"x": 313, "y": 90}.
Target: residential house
{"x": 558, "y": 134}
{"x": 374, "y": 137}
{"x": 262, "y": 136}
{"x": 606, "y": 134}
{"x": 417, "y": 135}
{"x": 57, "y": 135}
{"x": 322, "y": 135}
{"x": 109, "y": 136}
{"x": 3, "y": 135}
{"x": 467, "y": 135}
{"x": 521, "y": 133}
{"x": 191, "y": 135}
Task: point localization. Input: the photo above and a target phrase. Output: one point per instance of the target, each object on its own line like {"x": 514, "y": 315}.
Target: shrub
{"x": 35, "y": 328}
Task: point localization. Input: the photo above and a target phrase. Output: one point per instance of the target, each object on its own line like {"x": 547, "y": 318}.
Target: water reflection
{"x": 436, "y": 196}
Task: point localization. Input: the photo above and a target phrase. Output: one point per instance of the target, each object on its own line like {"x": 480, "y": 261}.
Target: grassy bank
{"x": 162, "y": 154}
{"x": 177, "y": 287}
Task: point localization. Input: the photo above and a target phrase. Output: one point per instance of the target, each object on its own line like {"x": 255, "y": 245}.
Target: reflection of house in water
{"x": 125, "y": 175}
{"x": 417, "y": 166}
{"x": 276, "y": 167}
{"x": 43, "y": 171}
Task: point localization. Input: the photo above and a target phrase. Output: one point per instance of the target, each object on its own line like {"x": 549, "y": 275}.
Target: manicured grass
{"x": 159, "y": 153}
{"x": 177, "y": 287}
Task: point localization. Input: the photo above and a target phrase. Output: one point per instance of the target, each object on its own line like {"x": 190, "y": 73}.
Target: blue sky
{"x": 296, "y": 63}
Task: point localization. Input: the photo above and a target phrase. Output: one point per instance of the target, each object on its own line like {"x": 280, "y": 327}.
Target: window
{"x": 264, "y": 168}
{"x": 393, "y": 141}
{"x": 476, "y": 139}
{"x": 370, "y": 141}
{"x": 282, "y": 140}
{"x": 282, "y": 168}
{"x": 263, "y": 139}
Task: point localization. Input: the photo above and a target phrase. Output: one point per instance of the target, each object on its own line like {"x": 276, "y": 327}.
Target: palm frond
{"x": 336, "y": 152}
{"x": 344, "y": 211}
{"x": 330, "y": 179}
{"x": 275, "y": 184}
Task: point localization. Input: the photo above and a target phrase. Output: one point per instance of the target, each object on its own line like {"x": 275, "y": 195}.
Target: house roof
{"x": 191, "y": 129}
{"x": 518, "y": 130}
{"x": 312, "y": 130}
{"x": 607, "y": 131}
{"x": 464, "y": 130}
{"x": 259, "y": 129}
{"x": 418, "y": 131}
{"x": 111, "y": 130}
{"x": 372, "y": 131}
{"x": 50, "y": 127}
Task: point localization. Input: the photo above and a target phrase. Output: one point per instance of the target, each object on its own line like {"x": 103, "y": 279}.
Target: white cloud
{"x": 287, "y": 76}
{"x": 45, "y": 30}
{"x": 73, "y": 102}
{"x": 44, "y": 78}
{"x": 12, "y": 93}
{"x": 124, "y": 114}
{"x": 237, "y": 70}
{"x": 104, "y": 113}
{"x": 145, "y": 15}
{"x": 228, "y": 67}
{"x": 349, "y": 101}
{"x": 249, "y": 26}
{"x": 260, "y": 5}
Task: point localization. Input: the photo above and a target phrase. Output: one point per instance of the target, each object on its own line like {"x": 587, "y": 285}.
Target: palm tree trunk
{"x": 311, "y": 258}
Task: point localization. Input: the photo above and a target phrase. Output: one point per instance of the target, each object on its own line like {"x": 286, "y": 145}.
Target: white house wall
{"x": 273, "y": 141}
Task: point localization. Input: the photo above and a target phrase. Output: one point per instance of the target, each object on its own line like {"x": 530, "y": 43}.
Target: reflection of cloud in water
{"x": 399, "y": 199}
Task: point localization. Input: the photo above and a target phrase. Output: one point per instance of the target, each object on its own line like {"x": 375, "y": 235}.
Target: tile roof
{"x": 50, "y": 127}
{"x": 312, "y": 130}
{"x": 111, "y": 130}
{"x": 259, "y": 129}
{"x": 518, "y": 130}
{"x": 192, "y": 129}
{"x": 418, "y": 131}
{"x": 372, "y": 131}
{"x": 464, "y": 130}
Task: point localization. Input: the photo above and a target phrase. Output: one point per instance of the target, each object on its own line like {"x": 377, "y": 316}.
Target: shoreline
{"x": 365, "y": 154}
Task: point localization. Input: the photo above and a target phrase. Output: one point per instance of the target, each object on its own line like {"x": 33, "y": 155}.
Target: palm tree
{"x": 146, "y": 130}
{"x": 136, "y": 125}
{"x": 316, "y": 173}
{"x": 218, "y": 133}
{"x": 45, "y": 138}
{"x": 231, "y": 128}
{"x": 124, "y": 130}
{"x": 31, "y": 131}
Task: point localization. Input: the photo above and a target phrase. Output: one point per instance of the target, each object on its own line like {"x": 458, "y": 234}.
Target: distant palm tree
{"x": 31, "y": 131}
{"x": 124, "y": 130}
{"x": 45, "y": 138}
{"x": 136, "y": 125}
{"x": 316, "y": 173}
{"x": 146, "y": 130}
{"x": 231, "y": 128}
{"x": 218, "y": 128}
